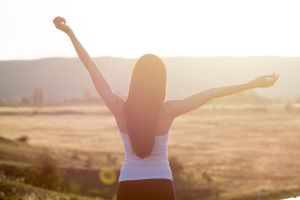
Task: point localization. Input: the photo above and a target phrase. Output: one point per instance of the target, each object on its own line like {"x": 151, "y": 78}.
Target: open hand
{"x": 265, "y": 81}
{"x": 60, "y": 23}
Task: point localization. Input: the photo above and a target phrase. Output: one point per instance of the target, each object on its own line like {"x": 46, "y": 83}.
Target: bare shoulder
{"x": 169, "y": 108}
{"x": 118, "y": 107}
{"x": 119, "y": 116}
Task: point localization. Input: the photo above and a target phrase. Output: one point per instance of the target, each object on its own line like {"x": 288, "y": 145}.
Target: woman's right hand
{"x": 265, "y": 81}
{"x": 60, "y": 23}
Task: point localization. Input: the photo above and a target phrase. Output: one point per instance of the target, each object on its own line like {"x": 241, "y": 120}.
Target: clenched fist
{"x": 60, "y": 23}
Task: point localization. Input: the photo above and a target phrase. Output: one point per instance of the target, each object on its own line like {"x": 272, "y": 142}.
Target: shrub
{"x": 45, "y": 173}
{"x": 23, "y": 139}
{"x": 175, "y": 165}
{"x": 89, "y": 162}
{"x": 71, "y": 186}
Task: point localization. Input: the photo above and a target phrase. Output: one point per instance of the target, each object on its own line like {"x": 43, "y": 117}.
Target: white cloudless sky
{"x": 164, "y": 27}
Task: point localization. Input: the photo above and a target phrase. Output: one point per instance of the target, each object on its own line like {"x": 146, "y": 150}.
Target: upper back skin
{"x": 163, "y": 126}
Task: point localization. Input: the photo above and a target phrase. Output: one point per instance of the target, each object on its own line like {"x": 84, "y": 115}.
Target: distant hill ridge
{"x": 64, "y": 78}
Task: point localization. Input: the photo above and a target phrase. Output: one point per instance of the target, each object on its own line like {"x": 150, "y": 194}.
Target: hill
{"x": 65, "y": 78}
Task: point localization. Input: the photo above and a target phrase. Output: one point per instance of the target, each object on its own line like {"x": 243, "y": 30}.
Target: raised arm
{"x": 175, "y": 108}
{"x": 112, "y": 100}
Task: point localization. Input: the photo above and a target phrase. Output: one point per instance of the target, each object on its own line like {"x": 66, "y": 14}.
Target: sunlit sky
{"x": 130, "y": 28}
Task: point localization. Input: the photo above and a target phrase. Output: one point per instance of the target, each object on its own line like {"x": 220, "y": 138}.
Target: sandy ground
{"x": 243, "y": 149}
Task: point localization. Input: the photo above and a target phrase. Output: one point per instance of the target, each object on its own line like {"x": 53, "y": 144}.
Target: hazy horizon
{"x": 64, "y": 78}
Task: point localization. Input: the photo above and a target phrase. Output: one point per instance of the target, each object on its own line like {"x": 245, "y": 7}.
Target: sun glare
{"x": 167, "y": 28}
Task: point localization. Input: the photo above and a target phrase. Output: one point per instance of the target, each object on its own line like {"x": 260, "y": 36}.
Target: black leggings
{"x": 146, "y": 189}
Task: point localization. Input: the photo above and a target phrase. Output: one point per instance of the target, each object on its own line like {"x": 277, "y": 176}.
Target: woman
{"x": 144, "y": 120}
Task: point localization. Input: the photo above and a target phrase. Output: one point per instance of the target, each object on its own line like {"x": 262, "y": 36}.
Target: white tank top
{"x": 155, "y": 166}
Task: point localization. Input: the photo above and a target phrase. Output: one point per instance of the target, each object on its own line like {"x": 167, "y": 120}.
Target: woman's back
{"x": 154, "y": 166}
{"x": 162, "y": 127}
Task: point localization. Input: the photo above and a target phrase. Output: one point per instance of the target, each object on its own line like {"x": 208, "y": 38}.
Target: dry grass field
{"x": 243, "y": 150}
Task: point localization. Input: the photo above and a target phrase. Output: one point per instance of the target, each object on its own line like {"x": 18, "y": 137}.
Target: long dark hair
{"x": 146, "y": 94}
